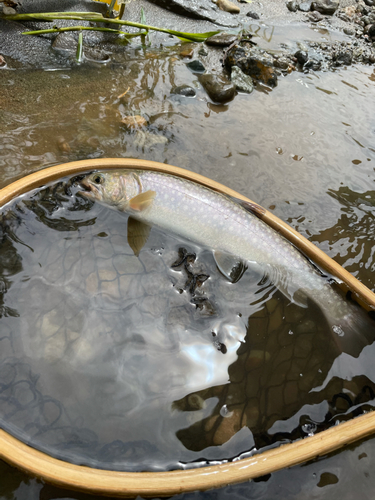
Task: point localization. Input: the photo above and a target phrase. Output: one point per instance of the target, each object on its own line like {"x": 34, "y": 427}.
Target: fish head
{"x": 111, "y": 188}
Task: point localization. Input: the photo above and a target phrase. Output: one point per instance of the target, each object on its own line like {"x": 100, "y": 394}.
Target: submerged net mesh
{"x": 156, "y": 362}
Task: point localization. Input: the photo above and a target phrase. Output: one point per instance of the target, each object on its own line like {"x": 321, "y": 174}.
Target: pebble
{"x": 221, "y": 40}
{"x": 65, "y": 42}
{"x": 282, "y": 63}
{"x": 2, "y": 61}
{"x": 292, "y": 5}
{"x": 315, "y": 16}
{"x": 344, "y": 58}
{"x": 184, "y": 90}
{"x": 243, "y": 83}
{"x": 196, "y": 66}
{"x": 328, "y": 7}
{"x": 9, "y": 11}
{"x": 349, "y": 31}
{"x": 134, "y": 122}
{"x": 313, "y": 64}
{"x": 301, "y": 56}
{"x": 217, "y": 87}
{"x": 253, "y": 15}
{"x": 202, "y": 52}
{"x": 228, "y": 6}
{"x": 187, "y": 53}
{"x": 304, "y": 6}
{"x": 254, "y": 62}
{"x": 371, "y": 31}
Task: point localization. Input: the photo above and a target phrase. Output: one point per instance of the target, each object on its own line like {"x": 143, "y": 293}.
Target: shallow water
{"x": 305, "y": 150}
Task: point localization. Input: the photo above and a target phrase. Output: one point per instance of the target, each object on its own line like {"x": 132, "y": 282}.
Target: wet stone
{"x": 327, "y": 7}
{"x": 196, "y": 66}
{"x": 184, "y": 90}
{"x": 315, "y": 16}
{"x": 254, "y": 62}
{"x": 243, "y": 83}
{"x": 65, "y": 42}
{"x": 304, "y": 6}
{"x": 301, "y": 56}
{"x": 312, "y": 64}
{"x": 134, "y": 122}
{"x": 253, "y": 15}
{"x": 343, "y": 58}
{"x": 228, "y": 6}
{"x": 221, "y": 40}
{"x": 292, "y": 5}
{"x": 218, "y": 88}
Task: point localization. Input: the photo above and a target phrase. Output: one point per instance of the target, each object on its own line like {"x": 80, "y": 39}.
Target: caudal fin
{"x": 353, "y": 331}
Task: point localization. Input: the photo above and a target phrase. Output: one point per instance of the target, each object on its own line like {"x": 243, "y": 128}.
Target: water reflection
{"x": 154, "y": 362}
{"x": 351, "y": 240}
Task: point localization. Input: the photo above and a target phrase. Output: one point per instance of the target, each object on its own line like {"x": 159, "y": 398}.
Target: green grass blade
{"x": 98, "y": 18}
{"x": 79, "y": 53}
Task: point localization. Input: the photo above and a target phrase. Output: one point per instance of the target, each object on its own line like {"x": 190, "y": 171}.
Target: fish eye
{"x": 98, "y": 179}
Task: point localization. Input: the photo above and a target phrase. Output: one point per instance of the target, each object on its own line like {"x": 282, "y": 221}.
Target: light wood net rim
{"x": 131, "y": 484}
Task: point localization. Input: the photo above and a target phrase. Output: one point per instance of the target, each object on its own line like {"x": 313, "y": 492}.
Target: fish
{"x": 236, "y": 235}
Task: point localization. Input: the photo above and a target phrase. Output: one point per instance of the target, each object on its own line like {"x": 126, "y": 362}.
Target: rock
{"x": 292, "y": 5}
{"x": 327, "y": 7}
{"x": 253, "y": 15}
{"x": 254, "y": 62}
{"x": 243, "y": 83}
{"x": 134, "y": 122}
{"x": 315, "y": 16}
{"x": 313, "y": 64}
{"x": 370, "y": 3}
{"x": 371, "y": 31}
{"x": 187, "y": 53}
{"x": 301, "y": 56}
{"x": 196, "y": 66}
{"x": 202, "y": 52}
{"x": 2, "y": 61}
{"x": 304, "y": 6}
{"x": 282, "y": 63}
{"x": 228, "y": 6}
{"x": 146, "y": 140}
{"x": 65, "y": 42}
{"x": 217, "y": 87}
{"x": 221, "y": 40}
{"x": 348, "y": 30}
{"x": 184, "y": 90}
{"x": 9, "y": 11}
{"x": 204, "y": 9}
{"x": 343, "y": 58}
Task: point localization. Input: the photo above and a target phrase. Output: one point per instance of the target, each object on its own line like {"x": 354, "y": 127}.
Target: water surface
{"x": 304, "y": 150}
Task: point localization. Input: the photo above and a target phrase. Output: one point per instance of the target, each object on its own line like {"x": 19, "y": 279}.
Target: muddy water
{"x": 304, "y": 150}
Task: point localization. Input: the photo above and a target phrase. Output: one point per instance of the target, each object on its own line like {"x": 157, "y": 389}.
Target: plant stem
{"x": 98, "y": 18}
{"x": 79, "y": 47}
{"x": 79, "y": 28}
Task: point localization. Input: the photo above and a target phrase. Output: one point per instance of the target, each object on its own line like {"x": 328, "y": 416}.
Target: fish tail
{"x": 353, "y": 331}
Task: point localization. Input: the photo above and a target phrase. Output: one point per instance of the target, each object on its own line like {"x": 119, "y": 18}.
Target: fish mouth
{"x": 90, "y": 191}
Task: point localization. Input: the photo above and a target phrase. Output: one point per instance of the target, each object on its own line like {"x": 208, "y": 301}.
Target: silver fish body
{"x": 213, "y": 220}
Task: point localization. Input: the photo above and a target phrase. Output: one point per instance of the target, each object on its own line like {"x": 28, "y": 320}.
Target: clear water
{"x": 153, "y": 362}
{"x": 305, "y": 150}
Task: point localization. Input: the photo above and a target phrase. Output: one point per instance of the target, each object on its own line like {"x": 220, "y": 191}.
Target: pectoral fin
{"x": 142, "y": 201}
{"x": 138, "y": 233}
{"x": 230, "y": 266}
